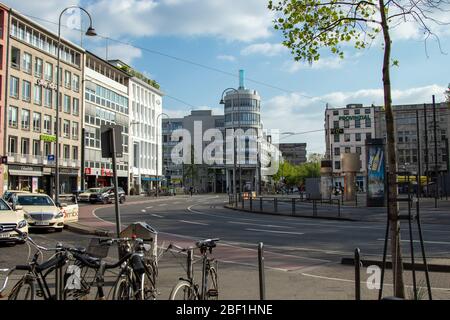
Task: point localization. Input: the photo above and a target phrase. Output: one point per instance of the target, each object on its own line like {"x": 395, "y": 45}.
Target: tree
{"x": 315, "y": 157}
{"x": 447, "y": 94}
{"x": 310, "y": 25}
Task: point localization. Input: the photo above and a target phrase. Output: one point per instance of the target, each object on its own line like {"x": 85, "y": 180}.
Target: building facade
{"x": 145, "y": 130}
{"x": 294, "y": 153}
{"x": 106, "y": 90}
{"x": 30, "y": 108}
{"x": 4, "y": 22}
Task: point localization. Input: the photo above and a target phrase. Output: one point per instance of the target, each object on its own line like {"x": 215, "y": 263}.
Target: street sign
{"x": 51, "y": 157}
{"x": 337, "y": 131}
{"x": 106, "y": 140}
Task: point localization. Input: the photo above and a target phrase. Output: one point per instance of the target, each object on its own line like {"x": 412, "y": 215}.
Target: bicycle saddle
{"x": 208, "y": 243}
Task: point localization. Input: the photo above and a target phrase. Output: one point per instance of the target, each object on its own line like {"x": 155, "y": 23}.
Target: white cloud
{"x": 122, "y": 52}
{"x": 298, "y": 113}
{"x": 266, "y": 49}
{"x": 226, "y": 57}
{"x": 323, "y": 63}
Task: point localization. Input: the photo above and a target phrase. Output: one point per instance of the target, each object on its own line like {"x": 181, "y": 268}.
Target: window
{"x": 48, "y": 71}
{"x": 38, "y": 65}
{"x": 26, "y": 62}
{"x": 346, "y": 112}
{"x": 36, "y": 122}
{"x": 66, "y": 104}
{"x": 75, "y": 153}
{"x": 25, "y": 119}
{"x": 36, "y": 148}
{"x": 367, "y": 111}
{"x": 14, "y": 87}
{"x": 75, "y": 130}
{"x": 357, "y": 123}
{"x": 66, "y": 128}
{"x": 37, "y": 94}
{"x": 26, "y": 90}
{"x": 337, "y": 151}
{"x": 346, "y": 124}
{"x": 368, "y": 136}
{"x": 358, "y": 136}
{"x": 67, "y": 79}
{"x": 368, "y": 123}
{"x": 76, "y": 107}
{"x": 15, "y": 57}
{"x": 358, "y": 150}
{"x": 347, "y": 150}
{"x": 76, "y": 83}
{"x": 48, "y": 124}
{"x": 12, "y": 116}
{"x": 66, "y": 152}
{"x": 48, "y": 97}
{"x": 12, "y": 144}
{"x": 47, "y": 148}
{"x": 335, "y": 112}
{"x": 336, "y": 138}
{"x": 347, "y": 137}
{"x": 25, "y": 149}
{"x": 337, "y": 165}
{"x": 357, "y": 111}
{"x": 335, "y": 124}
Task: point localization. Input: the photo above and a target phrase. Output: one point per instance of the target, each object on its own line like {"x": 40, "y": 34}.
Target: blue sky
{"x": 230, "y": 35}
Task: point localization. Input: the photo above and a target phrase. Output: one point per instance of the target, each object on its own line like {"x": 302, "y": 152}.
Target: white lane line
{"x": 163, "y": 204}
{"x": 191, "y": 222}
{"x": 273, "y": 231}
{"x": 149, "y": 207}
{"x": 260, "y": 225}
{"x": 157, "y": 215}
{"x": 417, "y": 241}
{"x": 143, "y": 210}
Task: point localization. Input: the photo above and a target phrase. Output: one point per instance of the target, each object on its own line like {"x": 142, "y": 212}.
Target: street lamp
{"x": 157, "y": 152}
{"x": 90, "y": 32}
{"x": 222, "y": 101}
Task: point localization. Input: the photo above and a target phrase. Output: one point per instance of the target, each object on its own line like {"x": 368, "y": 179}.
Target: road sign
{"x": 106, "y": 140}
{"x": 51, "y": 157}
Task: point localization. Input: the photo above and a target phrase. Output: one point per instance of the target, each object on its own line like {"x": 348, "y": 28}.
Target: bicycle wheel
{"x": 183, "y": 290}
{"x": 123, "y": 290}
{"x": 23, "y": 290}
{"x": 212, "y": 292}
{"x": 147, "y": 289}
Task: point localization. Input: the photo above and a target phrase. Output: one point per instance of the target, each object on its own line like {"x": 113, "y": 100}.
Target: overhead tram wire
{"x": 189, "y": 62}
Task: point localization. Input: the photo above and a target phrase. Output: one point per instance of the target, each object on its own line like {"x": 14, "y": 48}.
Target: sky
{"x": 195, "y": 48}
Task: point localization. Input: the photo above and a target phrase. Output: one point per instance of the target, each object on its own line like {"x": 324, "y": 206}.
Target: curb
{"x": 288, "y": 215}
{"x": 406, "y": 265}
{"x": 81, "y": 229}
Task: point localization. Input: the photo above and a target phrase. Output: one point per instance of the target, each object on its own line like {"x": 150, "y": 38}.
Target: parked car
{"x": 68, "y": 204}
{"x": 40, "y": 211}
{"x": 9, "y": 194}
{"x": 106, "y": 195}
{"x": 86, "y": 195}
{"x": 9, "y": 220}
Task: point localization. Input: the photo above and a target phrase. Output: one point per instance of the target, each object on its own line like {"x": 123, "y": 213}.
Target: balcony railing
{"x": 40, "y": 160}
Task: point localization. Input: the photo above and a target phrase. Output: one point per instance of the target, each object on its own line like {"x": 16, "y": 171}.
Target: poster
{"x": 375, "y": 173}
{"x": 34, "y": 184}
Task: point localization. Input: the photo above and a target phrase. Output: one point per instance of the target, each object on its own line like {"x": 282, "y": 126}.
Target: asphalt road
{"x": 302, "y": 256}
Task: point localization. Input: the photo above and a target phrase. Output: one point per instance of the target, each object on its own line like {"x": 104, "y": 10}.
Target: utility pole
{"x": 436, "y": 188}
{"x": 426, "y": 146}
{"x": 419, "y": 173}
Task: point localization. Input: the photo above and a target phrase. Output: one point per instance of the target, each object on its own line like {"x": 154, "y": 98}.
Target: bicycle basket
{"x": 145, "y": 232}
{"x": 98, "y": 249}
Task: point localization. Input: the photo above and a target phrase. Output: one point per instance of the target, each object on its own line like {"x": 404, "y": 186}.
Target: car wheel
{"x": 59, "y": 229}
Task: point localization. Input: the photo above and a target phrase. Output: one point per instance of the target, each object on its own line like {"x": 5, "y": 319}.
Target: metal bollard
{"x": 293, "y": 206}
{"x": 242, "y": 202}
{"x": 251, "y": 203}
{"x": 339, "y": 208}
{"x": 261, "y": 204}
{"x": 357, "y": 274}
{"x": 262, "y": 284}
{"x": 275, "y": 204}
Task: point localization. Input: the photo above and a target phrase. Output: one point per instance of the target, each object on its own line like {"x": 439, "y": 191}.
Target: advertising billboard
{"x": 376, "y": 184}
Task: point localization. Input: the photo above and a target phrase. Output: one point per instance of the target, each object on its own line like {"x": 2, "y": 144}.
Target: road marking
{"x": 149, "y": 207}
{"x": 143, "y": 210}
{"x": 259, "y": 225}
{"x": 163, "y": 204}
{"x": 417, "y": 241}
{"x": 157, "y": 215}
{"x": 273, "y": 231}
{"x": 191, "y": 222}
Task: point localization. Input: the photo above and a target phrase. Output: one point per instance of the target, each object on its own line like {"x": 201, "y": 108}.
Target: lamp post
{"x": 157, "y": 152}
{"x": 222, "y": 101}
{"x": 90, "y": 32}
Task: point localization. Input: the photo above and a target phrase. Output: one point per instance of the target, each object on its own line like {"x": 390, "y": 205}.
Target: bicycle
{"x": 187, "y": 288}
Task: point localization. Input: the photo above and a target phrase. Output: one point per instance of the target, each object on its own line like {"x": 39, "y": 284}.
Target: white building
{"x": 346, "y": 131}
{"x": 145, "y": 130}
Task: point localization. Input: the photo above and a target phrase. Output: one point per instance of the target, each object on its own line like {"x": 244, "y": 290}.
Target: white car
{"x": 85, "y": 196}
{"x": 10, "y": 220}
{"x": 40, "y": 211}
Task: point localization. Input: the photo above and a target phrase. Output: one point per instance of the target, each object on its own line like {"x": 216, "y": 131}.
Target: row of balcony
{"x": 41, "y": 160}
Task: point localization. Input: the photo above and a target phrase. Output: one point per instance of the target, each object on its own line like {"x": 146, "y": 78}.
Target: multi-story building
{"x": 145, "y": 130}
{"x": 106, "y": 103}
{"x": 30, "y": 107}
{"x": 4, "y": 20}
{"x": 346, "y": 131}
{"x": 405, "y": 125}
{"x": 203, "y": 177}
{"x": 294, "y": 153}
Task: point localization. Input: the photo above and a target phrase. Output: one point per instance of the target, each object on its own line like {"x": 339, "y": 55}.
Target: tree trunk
{"x": 397, "y": 262}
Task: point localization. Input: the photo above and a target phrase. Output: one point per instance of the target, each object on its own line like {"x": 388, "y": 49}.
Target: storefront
{"x": 26, "y": 178}
{"x": 68, "y": 180}
{"x": 98, "y": 178}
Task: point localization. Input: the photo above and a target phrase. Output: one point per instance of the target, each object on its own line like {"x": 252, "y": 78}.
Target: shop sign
{"x": 48, "y": 138}
{"x": 24, "y": 168}
{"x": 46, "y": 84}
{"x": 337, "y": 131}
{"x": 358, "y": 117}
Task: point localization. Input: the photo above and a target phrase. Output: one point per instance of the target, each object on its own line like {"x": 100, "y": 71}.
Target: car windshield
{"x": 92, "y": 190}
{"x": 103, "y": 190}
{"x": 4, "y": 206}
{"x": 35, "y": 200}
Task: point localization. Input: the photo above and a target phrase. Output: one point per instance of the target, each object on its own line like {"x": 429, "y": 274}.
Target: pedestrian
{"x": 191, "y": 190}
